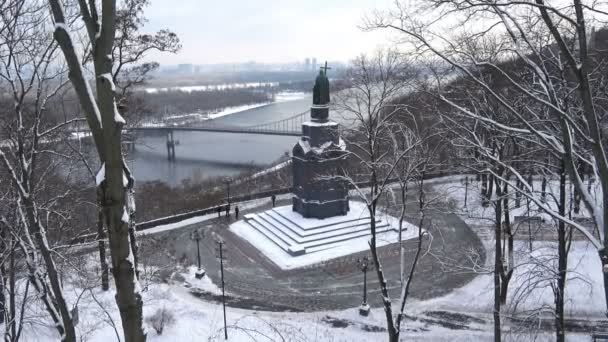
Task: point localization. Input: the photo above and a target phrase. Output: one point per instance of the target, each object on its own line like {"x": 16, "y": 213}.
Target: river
{"x": 201, "y": 155}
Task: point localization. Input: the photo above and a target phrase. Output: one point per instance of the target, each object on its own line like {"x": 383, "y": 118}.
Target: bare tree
{"x": 131, "y": 47}
{"x": 545, "y": 55}
{"x": 370, "y": 102}
{"x": 31, "y": 73}
{"x": 105, "y": 122}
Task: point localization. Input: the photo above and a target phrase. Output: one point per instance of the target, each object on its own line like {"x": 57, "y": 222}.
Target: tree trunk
{"x": 393, "y": 334}
{"x": 518, "y": 194}
{"x": 506, "y": 274}
{"x": 560, "y": 334}
{"x": 577, "y": 200}
{"x": 497, "y": 265}
{"x": 401, "y": 245}
{"x": 101, "y": 242}
{"x": 12, "y": 317}
{"x": 132, "y": 232}
{"x": 2, "y": 296}
{"x": 484, "y": 188}
{"x": 543, "y": 190}
{"x": 2, "y": 277}
{"x": 128, "y": 296}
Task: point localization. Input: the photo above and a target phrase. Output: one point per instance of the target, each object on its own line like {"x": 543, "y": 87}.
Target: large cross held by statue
{"x": 324, "y": 68}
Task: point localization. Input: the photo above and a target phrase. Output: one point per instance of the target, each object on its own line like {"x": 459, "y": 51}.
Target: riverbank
{"x": 221, "y": 112}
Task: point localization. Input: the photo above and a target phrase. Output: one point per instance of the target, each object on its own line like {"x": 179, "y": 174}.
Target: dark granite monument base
{"x": 320, "y": 210}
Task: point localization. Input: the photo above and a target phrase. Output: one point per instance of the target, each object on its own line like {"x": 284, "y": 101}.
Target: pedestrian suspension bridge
{"x": 291, "y": 126}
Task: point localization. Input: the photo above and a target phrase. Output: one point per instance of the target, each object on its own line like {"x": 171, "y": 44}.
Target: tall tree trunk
{"x": 12, "y": 317}
{"x": 101, "y": 243}
{"x": 132, "y": 231}
{"x": 518, "y": 193}
{"x": 106, "y": 124}
{"x": 2, "y": 296}
{"x": 393, "y": 334}
{"x": 562, "y": 263}
{"x": 506, "y": 274}
{"x": 497, "y": 265}
{"x": 401, "y": 245}
{"x": 2, "y": 275}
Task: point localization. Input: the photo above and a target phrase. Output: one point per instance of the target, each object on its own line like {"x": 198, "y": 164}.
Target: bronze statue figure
{"x": 320, "y": 92}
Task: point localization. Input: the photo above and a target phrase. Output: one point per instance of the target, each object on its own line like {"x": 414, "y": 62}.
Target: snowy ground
{"x": 198, "y": 320}
{"x": 530, "y": 287}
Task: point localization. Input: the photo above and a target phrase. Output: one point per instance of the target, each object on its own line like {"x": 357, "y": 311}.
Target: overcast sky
{"x": 268, "y": 31}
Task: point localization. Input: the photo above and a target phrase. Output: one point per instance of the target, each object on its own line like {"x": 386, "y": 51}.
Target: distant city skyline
{"x": 268, "y": 32}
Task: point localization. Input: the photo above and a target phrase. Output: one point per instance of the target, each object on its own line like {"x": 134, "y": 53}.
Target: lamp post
{"x": 363, "y": 265}
{"x": 220, "y": 254}
{"x": 197, "y": 235}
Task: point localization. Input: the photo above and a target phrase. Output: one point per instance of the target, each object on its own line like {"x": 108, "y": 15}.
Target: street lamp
{"x": 363, "y": 264}
{"x": 220, "y": 254}
{"x": 197, "y": 235}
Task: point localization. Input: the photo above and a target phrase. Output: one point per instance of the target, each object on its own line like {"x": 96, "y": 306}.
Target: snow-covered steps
{"x": 297, "y": 235}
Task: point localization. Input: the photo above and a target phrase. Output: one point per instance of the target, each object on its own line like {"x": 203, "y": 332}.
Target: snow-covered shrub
{"x": 161, "y": 319}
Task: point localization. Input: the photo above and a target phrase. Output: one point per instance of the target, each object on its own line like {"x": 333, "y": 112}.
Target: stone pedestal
{"x": 318, "y": 161}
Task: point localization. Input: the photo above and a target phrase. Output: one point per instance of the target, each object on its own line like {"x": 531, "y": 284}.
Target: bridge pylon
{"x": 170, "y": 146}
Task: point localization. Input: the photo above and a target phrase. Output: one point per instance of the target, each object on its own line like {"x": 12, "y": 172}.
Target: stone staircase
{"x": 296, "y": 235}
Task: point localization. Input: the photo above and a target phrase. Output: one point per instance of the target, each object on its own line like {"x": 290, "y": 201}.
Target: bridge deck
{"x": 244, "y": 130}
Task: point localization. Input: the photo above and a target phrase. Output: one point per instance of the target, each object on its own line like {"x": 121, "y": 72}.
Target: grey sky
{"x": 265, "y": 30}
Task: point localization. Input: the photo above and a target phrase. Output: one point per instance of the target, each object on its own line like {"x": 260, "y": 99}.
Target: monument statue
{"x": 318, "y": 160}
{"x": 320, "y": 92}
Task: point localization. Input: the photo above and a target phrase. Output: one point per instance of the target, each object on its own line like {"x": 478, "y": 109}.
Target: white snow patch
{"x": 271, "y": 169}
{"x": 125, "y": 215}
{"x": 357, "y": 211}
{"x": 176, "y": 225}
{"x": 117, "y": 117}
{"x": 61, "y": 26}
{"x": 101, "y": 175}
{"x": 236, "y": 109}
{"x": 584, "y": 295}
{"x": 289, "y": 96}
{"x": 203, "y": 284}
{"x": 320, "y": 124}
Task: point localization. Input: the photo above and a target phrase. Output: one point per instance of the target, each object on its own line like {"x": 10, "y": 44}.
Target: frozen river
{"x": 202, "y": 155}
